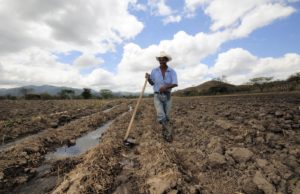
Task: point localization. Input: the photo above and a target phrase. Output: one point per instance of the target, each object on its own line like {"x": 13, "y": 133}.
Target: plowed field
{"x": 224, "y": 144}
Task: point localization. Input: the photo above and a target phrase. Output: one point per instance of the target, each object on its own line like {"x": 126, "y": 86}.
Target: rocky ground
{"x": 225, "y": 144}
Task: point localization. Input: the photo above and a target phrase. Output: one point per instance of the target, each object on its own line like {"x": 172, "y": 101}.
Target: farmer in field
{"x": 163, "y": 79}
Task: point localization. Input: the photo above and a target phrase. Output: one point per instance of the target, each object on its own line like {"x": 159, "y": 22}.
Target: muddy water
{"x": 82, "y": 144}
{"x": 43, "y": 182}
{"x": 7, "y": 145}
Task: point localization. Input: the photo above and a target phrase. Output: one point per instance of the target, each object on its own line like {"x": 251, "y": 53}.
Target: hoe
{"x": 130, "y": 142}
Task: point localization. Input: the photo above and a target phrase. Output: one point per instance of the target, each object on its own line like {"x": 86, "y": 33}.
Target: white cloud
{"x": 66, "y": 25}
{"x": 160, "y": 7}
{"x": 172, "y": 19}
{"x": 234, "y": 61}
{"x": 99, "y": 78}
{"x": 279, "y": 67}
{"x": 136, "y": 59}
{"x": 226, "y": 13}
{"x": 190, "y": 50}
{"x": 34, "y": 66}
{"x": 240, "y": 66}
{"x": 230, "y": 13}
{"x": 87, "y": 60}
{"x": 192, "y": 5}
{"x": 262, "y": 16}
{"x": 139, "y": 7}
{"x": 192, "y": 76}
{"x": 187, "y": 51}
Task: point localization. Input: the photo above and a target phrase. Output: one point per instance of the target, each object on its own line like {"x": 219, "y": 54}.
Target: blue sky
{"x": 112, "y": 44}
{"x": 273, "y": 40}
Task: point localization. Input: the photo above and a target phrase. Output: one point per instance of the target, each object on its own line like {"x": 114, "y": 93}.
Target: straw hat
{"x": 163, "y": 54}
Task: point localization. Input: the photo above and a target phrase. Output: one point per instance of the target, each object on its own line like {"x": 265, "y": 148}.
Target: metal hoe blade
{"x": 129, "y": 142}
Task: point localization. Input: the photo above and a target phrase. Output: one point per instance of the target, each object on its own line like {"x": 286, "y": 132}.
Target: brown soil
{"x": 226, "y": 144}
{"x": 22, "y": 118}
{"x": 20, "y": 159}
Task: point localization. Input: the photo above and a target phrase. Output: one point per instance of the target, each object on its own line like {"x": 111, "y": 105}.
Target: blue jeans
{"x": 162, "y": 105}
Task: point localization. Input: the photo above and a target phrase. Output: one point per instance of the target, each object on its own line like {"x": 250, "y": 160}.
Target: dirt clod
{"x": 240, "y": 154}
{"x": 162, "y": 182}
{"x": 263, "y": 184}
{"x": 216, "y": 159}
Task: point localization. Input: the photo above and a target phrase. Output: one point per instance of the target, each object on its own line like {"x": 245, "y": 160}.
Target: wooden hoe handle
{"x": 135, "y": 109}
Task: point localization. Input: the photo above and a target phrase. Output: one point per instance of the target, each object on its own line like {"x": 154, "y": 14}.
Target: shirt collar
{"x": 168, "y": 69}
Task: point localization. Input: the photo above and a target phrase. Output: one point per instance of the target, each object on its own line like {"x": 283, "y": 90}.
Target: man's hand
{"x": 166, "y": 87}
{"x": 163, "y": 89}
{"x": 147, "y": 75}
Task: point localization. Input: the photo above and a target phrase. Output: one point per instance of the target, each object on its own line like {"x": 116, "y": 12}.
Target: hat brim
{"x": 168, "y": 57}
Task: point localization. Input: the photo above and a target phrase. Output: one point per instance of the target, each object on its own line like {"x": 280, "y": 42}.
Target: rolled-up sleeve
{"x": 174, "y": 77}
{"x": 152, "y": 77}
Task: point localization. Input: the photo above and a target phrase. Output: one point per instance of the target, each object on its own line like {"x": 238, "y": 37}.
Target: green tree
{"x": 223, "y": 78}
{"x": 106, "y": 93}
{"x": 66, "y": 94}
{"x": 260, "y": 82}
{"x": 32, "y": 97}
{"x": 86, "y": 94}
{"x": 10, "y": 97}
{"x": 295, "y": 77}
{"x": 46, "y": 96}
{"x": 24, "y": 91}
{"x": 218, "y": 90}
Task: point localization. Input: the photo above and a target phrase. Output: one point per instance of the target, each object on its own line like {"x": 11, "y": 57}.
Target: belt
{"x": 162, "y": 92}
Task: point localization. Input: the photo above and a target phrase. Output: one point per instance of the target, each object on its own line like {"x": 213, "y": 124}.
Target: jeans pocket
{"x": 162, "y": 97}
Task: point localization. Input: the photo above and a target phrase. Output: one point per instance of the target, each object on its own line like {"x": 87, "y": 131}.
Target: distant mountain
{"x": 209, "y": 87}
{"x": 54, "y": 90}
{"x": 51, "y": 90}
{"x": 214, "y": 87}
{"x": 126, "y": 94}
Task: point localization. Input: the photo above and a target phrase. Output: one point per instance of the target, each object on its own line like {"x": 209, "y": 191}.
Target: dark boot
{"x": 164, "y": 129}
{"x": 167, "y": 132}
{"x": 169, "y": 137}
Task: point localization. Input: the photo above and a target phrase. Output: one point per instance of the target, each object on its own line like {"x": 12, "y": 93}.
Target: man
{"x": 163, "y": 79}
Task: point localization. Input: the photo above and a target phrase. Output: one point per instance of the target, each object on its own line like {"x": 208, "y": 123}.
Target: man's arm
{"x": 167, "y": 87}
{"x": 147, "y": 76}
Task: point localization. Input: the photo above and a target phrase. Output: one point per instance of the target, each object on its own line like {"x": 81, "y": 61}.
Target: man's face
{"x": 163, "y": 60}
